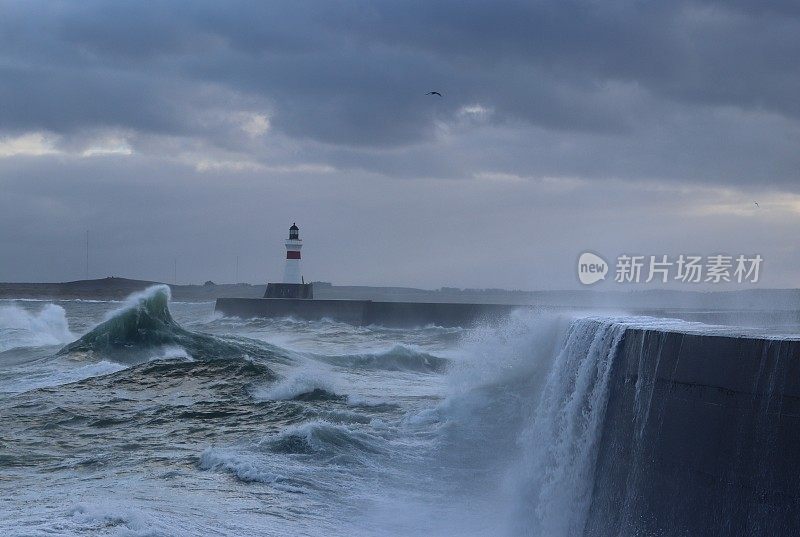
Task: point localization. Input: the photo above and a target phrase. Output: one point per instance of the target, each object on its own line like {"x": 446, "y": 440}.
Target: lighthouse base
{"x": 290, "y": 290}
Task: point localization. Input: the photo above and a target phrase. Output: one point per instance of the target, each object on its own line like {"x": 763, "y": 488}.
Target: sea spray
{"x": 560, "y": 445}
{"x": 527, "y": 405}
{"x": 20, "y": 327}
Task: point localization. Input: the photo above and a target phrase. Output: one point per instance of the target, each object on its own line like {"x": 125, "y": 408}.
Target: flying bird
{"x": 757, "y": 205}
{"x": 434, "y": 93}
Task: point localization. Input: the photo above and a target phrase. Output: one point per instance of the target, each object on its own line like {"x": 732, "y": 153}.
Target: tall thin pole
{"x": 237, "y": 269}
{"x": 87, "y": 254}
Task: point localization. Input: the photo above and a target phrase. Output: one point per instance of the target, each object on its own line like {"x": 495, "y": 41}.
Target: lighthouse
{"x": 292, "y": 285}
{"x": 291, "y": 270}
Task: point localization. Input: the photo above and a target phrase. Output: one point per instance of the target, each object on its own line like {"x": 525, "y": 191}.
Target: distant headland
{"x": 113, "y": 288}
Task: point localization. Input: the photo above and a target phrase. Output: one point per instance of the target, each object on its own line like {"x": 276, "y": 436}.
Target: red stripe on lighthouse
{"x": 291, "y": 254}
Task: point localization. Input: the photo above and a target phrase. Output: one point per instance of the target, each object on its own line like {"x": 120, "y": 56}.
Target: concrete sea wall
{"x": 701, "y": 436}
{"x": 366, "y": 312}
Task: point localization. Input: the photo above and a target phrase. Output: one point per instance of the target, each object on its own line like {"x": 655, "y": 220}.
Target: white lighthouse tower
{"x": 292, "y": 286}
{"x": 291, "y": 271}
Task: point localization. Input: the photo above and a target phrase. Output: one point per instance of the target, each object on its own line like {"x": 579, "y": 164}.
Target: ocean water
{"x": 148, "y": 417}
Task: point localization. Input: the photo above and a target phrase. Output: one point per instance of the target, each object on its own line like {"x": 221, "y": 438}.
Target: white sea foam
{"x": 367, "y": 401}
{"x": 171, "y": 352}
{"x": 20, "y": 327}
{"x": 123, "y": 519}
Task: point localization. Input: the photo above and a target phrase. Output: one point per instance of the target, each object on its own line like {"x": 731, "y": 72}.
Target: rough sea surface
{"x": 151, "y": 418}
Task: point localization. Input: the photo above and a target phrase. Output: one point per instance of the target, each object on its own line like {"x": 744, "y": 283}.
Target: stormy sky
{"x": 197, "y": 132}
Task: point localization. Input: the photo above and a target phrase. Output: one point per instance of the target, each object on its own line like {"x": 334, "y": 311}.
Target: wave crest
{"x": 323, "y": 437}
{"x": 302, "y": 386}
{"x": 144, "y": 322}
{"x": 398, "y": 358}
{"x": 273, "y": 459}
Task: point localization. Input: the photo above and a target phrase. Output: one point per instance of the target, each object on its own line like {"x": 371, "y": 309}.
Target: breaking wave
{"x": 398, "y": 358}
{"x": 523, "y": 421}
{"x": 244, "y": 466}
{"x": 144, "y": 322}
{"x": 271, "y": 460}
{"x": 323, "y": 437}
{"x": 303, "y": 385}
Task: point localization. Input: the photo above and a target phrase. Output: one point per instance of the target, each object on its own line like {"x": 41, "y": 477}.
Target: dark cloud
{"x": 234, "y": 105}
{"x": 354, "y": 73}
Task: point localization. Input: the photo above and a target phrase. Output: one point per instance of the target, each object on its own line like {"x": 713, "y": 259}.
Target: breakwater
{"x": 367, "y": 312}
{"x": 701, "y": 436}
